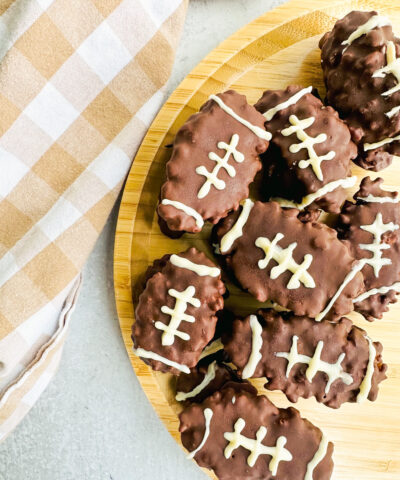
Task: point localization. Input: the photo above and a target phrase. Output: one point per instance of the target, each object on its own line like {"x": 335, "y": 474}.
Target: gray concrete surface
{"x": 94, "y": 422}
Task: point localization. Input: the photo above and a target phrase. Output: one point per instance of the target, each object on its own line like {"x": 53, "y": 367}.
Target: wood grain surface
{"x": 277, "y": 49}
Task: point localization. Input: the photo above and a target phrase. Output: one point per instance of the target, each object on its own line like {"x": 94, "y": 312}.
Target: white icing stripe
{"x": 201, "y": 270}
{"x": 372, "y": 146}
{"x": 366, "y": 384}
{"x": 208, "y": 413}
{"x": 140, "y": 352}
{"x": 374, "y": 291}
{"x": 285, "y": 260}
{"x": 317, "y": 458}
{"x": 178, "y": 315}
{"x": 392, "y": 67}
{"x": 377, "y": 229}
{"x": 269, "y": 114}
{"x": 221, "y": 162}
{"x": 334, "y": 371}
{"x": 376, "y": 21}
{"x": 214, "y": 347}
{"x": 307, "y": 142}
{"x": 208, "y": 378}
{"x": 394, "y": 111}
{"x": 186, "y": 209}
{"x": 259, "y": 132}
{"x": 349, "y": 277}
{"x": 256, "y": 448}
{"x": 310, "y": 198}
{"x": 256, "y": 345}
{"x": 237, "y": 230}
{"x": 371, "y": 199}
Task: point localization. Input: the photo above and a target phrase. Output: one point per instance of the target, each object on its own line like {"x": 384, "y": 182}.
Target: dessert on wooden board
{"x": 215, "y": 157}
{"x": 175, "y": 315}
{"x": 275, "y": 256}
{"x": 242, "y": 435}
{"x": 335, "y": 362}
{"x": 308, "y": 162}
{"x": 372, "y": 228}
{"x": 359, "y": 59}
{"x": 279, "y": 252}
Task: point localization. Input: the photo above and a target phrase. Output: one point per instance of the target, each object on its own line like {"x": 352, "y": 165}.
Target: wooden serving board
{"x": 277, "y": 49}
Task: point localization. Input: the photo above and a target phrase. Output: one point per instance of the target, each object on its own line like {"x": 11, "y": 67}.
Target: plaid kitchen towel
{"x": 80, "y": 82}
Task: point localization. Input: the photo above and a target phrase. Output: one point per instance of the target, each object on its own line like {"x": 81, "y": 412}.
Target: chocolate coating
{"x": 187, "y": 382}
{"x": 338, "y": 338}
{"x": 162, "y": 277}
{"x": 355, "y": 93}
{"x": 199, "y": 136}
{"x": 330, "y": 265}
{"x": 284, "y": 177}
{"x": 303, "y": 438}
{"x": 362, "y": 213}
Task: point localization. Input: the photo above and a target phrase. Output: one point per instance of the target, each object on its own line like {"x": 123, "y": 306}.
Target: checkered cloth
{"x": 80, "y": 82}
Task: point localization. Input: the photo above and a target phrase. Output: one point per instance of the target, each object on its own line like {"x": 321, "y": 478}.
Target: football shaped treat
{"x": 371, "y": 227}
{"x": 308, "y": 162}
{"x": 242, "y": 436}
{"x": 362, "y": 75}
{"x": 215, "y": 157}
{"x": 334, "y": 362}
{"x": 175, "y": 315}
{"x": 303, "y": 267}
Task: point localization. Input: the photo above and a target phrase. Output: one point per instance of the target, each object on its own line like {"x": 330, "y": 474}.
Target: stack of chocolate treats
{"x": 276, "y": 249}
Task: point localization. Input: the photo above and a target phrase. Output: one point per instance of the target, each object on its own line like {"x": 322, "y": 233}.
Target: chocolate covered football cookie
{"x": 334, "y": 362}
{"x": 308, "y": 162}
{"x": 176, "y": 314}
{"x": 371, "y": 226}
{"x": 361, "y": 65}
{"x": 240, "y": 435}
{"x": 301, "y": 266}
{"x": 215, "y": 157}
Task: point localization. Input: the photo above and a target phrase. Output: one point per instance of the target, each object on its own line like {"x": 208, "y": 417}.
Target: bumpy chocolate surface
{"x": 330, "y": 264}
{"x": 206, "y": 134}
{"x": 231, "y": 409}
{"x": 194, "y": 312}
{"x": 358, "y": 87}
{"x": 203, "y": 381}
{"x": 289, "y": 173}
{"x": 371, "y": 226}
{"x": 352, "y": 379}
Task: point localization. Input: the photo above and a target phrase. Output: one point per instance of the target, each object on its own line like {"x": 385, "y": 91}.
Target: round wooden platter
{"x": 277, "y": 49}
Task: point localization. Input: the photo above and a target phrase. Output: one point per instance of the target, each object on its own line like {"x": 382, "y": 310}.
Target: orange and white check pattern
{"x": 80, "y": 82}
